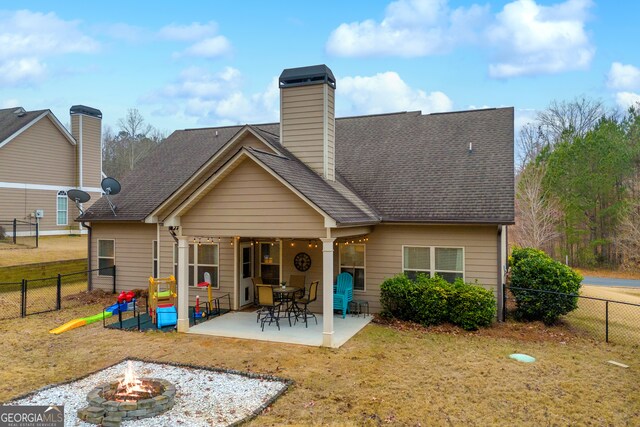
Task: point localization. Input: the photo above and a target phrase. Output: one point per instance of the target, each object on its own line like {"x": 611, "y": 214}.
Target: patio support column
{"x": 183, "y": 285}
{"x": 327, "y": 292}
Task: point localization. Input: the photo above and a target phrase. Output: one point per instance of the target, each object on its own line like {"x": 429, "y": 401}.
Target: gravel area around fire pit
{"x": 204, "y": 397}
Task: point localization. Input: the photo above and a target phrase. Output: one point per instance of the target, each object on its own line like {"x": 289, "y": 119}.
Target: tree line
{"x": 578, "y": 184}
{"x": 124, "y": 148}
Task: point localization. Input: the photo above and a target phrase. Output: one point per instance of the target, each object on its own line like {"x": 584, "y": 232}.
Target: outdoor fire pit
{"x": 130, "y": 398}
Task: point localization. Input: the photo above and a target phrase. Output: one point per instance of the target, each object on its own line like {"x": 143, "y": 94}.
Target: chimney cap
{"x": 87, "y": 111}
{"x": 303, "y": 76}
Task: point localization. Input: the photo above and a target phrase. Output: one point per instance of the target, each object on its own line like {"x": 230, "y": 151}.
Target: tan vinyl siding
{"x": 303, "y": 120}
{"x": 91, "y": 151}
{"x": 39, "y": 155}
{"x": 331, "y": 133}
{"x": 133, "y": 254}
{"x": 248, "y": 141}
{"x": 384, "y": 253}
{"x": 20, "y": 203}
{"x": 251, "y": 202}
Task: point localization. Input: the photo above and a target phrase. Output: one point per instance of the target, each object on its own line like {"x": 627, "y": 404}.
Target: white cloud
{"x": 530, "y": 39}
{"x": 524, "y": 38}
{"x": 410, "y": 28}
{"x": 209, "y": 48}
{"x": 206, "y": 43}
{"x": 22, "y": 70}
{"x": 216, "y": 98}
{"x": 26, "y": 38}
{"x": 623, "y": 77}
{"x": 10, "y": 103}
{"x": 628, "y": 99}
{"x": 191, "y": 32}
{"x": 383, "y": 93}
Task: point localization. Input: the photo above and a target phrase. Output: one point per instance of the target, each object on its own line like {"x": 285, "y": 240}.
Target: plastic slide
{"x": 76, "y": 323}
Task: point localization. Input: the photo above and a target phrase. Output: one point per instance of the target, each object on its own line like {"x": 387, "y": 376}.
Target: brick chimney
{"x": 86, "y": 128}
{"x": 307, "y": 116}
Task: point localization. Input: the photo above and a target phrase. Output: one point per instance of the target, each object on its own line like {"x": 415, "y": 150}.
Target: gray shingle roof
{"x": 10, "y": 122}
{"x": 393, "y": 167}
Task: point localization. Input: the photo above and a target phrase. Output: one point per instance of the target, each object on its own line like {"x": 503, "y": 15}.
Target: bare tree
{"x": 531, "y": 142}
{"x": 134, "y": 140}
{"x": 536, "y": 211}
{"x": 574, "y": 118}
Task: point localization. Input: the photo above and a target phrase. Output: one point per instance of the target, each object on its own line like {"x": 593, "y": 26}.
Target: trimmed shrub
{"x": 432, "y": 301}
{"x": 471, "y": 306}
{"x": 534, "y": 271}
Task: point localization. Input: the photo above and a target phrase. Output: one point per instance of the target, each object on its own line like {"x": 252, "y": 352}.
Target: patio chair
{"x": 268, "y": 306}
{"x": 256, "y": 281}
{"x": 297, "y": 281}
{"x": 343, "y": 293}
{"x": 304, "y": 312}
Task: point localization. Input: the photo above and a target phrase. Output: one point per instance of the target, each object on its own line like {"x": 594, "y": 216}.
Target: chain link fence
{"x": 603, "y": 319}
{"x": 34, "y": 296}
{"x": 15, "y": 233}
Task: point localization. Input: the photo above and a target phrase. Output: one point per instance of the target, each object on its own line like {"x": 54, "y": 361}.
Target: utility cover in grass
{"x": 522, "y": 357}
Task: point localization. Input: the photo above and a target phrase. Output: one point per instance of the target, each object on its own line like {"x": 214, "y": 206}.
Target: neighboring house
{"x": 40, "y": 160}
{"x": 371, "y": 195}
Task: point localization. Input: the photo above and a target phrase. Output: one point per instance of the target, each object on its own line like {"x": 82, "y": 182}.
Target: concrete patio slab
{"x": 243, "y": 325}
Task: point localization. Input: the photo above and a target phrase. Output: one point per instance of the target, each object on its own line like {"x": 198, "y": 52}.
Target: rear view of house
{"x": 313, "y": 195}
{"x": 40, "y": 160}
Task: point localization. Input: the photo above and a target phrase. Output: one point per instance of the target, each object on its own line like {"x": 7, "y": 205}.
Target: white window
{"x": 155, "y": 259}
{"x": 62, "y": 205}
{"x": 352, "y": 260}
{"x": 106, "y": 257}
{"x": 448, "y": 263}
{"x": 203, "y": 258}
{"x": 416, "y": 260}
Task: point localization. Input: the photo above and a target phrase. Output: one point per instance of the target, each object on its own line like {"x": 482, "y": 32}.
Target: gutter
{"x": 90, "y": 275}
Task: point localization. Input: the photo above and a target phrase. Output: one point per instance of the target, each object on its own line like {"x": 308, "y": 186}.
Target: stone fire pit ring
{"x": 112, "y": 413}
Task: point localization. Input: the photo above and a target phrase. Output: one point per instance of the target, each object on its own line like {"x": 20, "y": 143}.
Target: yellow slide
{"x": 76, "y": 323}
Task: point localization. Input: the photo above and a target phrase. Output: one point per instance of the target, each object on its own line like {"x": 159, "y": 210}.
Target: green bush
{"x": 432, "y": 301}
{"x": 534, "y": 271}
{"x": 471, "y": 307}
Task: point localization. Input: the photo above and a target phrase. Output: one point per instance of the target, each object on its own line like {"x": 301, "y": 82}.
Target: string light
{"x": 292, "y": 244}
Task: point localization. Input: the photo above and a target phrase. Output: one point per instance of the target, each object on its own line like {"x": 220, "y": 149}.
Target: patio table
{"x": 287, "y": 295}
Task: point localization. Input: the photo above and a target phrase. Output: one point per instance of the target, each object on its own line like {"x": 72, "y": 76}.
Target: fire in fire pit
{"x": 129, "y": 398}
{"x": 132, "y": 389}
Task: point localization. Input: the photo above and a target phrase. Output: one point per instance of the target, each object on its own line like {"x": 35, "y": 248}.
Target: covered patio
{"x": 242, "y": 324}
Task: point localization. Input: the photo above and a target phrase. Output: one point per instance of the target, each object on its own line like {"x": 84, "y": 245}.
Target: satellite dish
{"x": 111, "y": 187}
{"x": 78, "y": 196}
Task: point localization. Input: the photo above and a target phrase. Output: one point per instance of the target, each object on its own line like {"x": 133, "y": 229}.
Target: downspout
{"x": 90, "y": 275}
{"x": 500, "y": 289}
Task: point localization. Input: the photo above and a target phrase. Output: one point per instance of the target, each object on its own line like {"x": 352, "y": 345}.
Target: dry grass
{"x": 624, "y": 320}
{"x": 615, "y": 274}
{"x": 388, "y": 374}
{"x": 50, "y": 248}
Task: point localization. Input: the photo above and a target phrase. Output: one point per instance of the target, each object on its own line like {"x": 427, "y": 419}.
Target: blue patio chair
{"x": 343, "y": 293}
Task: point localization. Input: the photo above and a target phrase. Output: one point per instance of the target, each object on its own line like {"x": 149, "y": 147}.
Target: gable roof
{"x": 402, "y": 167}
{"x": 16, "y": 120}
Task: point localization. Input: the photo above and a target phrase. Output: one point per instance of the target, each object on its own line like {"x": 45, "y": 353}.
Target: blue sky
{"x": 193, "y": 64}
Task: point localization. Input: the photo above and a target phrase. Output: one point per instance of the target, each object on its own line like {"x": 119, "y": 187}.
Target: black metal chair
{"x": 268, "y": 306}
{"x": 302, "y": 305}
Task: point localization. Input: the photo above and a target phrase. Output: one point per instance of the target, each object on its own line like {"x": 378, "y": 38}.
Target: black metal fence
{"x": 609, "y": 320}
{"x": 17, "y": 233}
{"x": 34, "y": 296}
